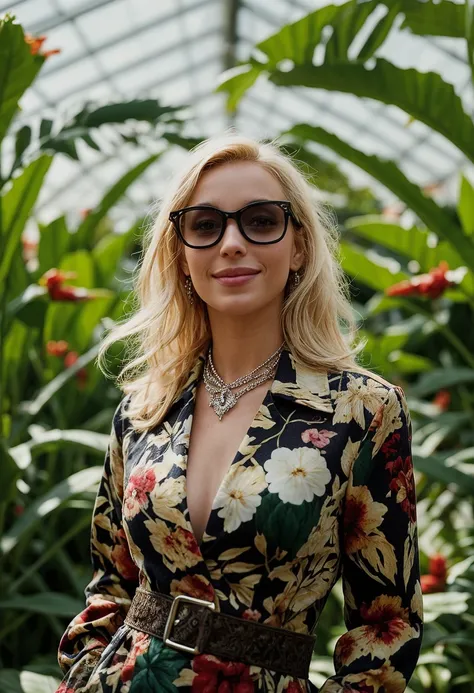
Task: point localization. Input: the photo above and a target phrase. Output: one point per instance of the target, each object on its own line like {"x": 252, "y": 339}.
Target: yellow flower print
{"x": 350, "y": 403}
{"x": 362, "y": 536}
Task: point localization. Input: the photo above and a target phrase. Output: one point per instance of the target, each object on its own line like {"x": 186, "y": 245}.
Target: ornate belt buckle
{"x": 170, "y": 621}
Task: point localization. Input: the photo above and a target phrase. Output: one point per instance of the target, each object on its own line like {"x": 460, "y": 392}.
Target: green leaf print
{"x": 285, "y": 525}
{"x": 363, "y": 464}
{"x": 156, "y": 669}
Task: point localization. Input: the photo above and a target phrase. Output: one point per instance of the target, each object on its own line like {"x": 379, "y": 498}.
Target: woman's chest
{"x": 290, "y": 468}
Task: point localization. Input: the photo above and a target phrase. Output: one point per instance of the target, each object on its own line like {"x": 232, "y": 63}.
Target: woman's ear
{"x": 297, "y": 256}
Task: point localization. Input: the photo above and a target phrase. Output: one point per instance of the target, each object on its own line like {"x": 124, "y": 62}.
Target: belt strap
{"x": 196, "y": 628}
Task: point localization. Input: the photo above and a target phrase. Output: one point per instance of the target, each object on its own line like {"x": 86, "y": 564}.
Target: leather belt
{"x": 192, "y": 625}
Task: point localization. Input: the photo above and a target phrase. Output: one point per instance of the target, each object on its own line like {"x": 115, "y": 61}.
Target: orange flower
{"x": 36, "y": 42}
{"x": 442, "y": 399}
{"x": 432, "y": 284}
{"x": 57, "y": 348}
{"x": 54, "y": 279}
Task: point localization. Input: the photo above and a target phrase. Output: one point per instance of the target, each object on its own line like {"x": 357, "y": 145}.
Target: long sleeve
{"x": 380, "y": 563}
{"x": 115, "y": 575}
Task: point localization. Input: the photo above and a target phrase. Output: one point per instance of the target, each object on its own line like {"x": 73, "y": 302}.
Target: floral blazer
{"x": 321, "y": 486}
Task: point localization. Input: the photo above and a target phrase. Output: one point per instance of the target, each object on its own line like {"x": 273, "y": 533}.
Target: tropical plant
{"x": 413, "y": 285}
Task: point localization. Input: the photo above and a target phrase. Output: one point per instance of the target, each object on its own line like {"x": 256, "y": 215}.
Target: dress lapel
{"x": 297, "y": 383}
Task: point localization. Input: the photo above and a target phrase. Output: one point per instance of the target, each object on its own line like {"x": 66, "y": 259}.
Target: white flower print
{"x": 239, "y": 496}
{"x": 297, "y": 475}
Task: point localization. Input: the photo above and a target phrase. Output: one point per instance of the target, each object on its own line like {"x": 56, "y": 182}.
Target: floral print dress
{"x": 321, "y": 486}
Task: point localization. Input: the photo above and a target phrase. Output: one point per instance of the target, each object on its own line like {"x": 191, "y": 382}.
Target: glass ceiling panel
{"x": 173, "y": 50}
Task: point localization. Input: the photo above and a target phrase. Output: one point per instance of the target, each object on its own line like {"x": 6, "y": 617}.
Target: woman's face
{"x": 229, "y": 187}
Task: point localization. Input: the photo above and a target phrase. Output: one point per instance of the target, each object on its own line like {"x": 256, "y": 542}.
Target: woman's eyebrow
{"x": 211, "y": 204}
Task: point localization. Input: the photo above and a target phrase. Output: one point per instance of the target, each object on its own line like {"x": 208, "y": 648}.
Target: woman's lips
{"x": 236, "y": 281}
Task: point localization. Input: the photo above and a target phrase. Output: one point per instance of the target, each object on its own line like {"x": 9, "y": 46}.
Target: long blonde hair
{"x": 165, "y": 333}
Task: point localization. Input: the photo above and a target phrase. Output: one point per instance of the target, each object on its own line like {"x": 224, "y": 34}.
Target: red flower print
{"x": 216, "y": 676}
{"x": 64, "y": 689}
{"x": 403, "y": 484}
{"x": 432, "y": 284}
{"x": 141, "y": 483}
{"x": 194, "y": 586}
{"x": 140, "y": 645}
{"x": 318, "y": 438}
{"x": 391, "y": 445}
{"x": 252, "y": 615}
{"x": 294, "y": 687}
{"x": 122, "y": 559}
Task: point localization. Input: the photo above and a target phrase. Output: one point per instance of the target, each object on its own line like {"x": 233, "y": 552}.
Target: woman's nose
{"x": 232, "y": 240}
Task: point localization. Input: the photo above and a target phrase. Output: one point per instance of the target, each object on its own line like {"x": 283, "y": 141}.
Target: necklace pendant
{"x": 222, "y": 401}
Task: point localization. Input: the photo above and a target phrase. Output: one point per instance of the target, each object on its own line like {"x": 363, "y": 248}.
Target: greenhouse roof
{"x": 175, "y": 50}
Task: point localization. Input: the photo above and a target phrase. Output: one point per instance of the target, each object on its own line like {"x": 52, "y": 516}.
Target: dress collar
{"x": 293, "y": 382}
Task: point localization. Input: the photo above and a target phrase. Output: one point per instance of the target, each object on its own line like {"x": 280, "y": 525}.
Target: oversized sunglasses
{"x": 262, "y": 222}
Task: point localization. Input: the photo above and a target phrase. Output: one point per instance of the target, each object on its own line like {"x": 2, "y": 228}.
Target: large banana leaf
{"x": 425, "y": 96}
{"x": 47, "y": 441}
{"x": 445, "y": 18}
{"x": 387, "y": 173}
{"x": 466, "y": 206}
{"x": 16, "y": 208}
{"x": 50, "y": 603}
{"x": 18, "y": 68}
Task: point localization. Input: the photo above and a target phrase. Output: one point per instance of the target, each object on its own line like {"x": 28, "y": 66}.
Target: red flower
{"x": 64, "y": 689}
{"x": 403, "y": 484}
{"x": 57, "y": 348}
{"x": 252, "y": 615}
{"x": 430, "y": 584}
{"x": 442, "y": 399}
{"x": 435, "y": 581}
{"x": 36, "y": 42}
{"x": 54, "y": 279}
{"x": 216, "y": 676}
{"x": 81, "y": 375}
{"x": 432, "y": 284}
{"x": 438, "y": 566}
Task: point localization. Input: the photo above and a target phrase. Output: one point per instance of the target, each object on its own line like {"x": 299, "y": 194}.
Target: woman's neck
{"x": 240, "y": 344}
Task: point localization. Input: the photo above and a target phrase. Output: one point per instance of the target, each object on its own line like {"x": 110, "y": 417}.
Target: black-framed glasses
{"x": 262, "y": 222}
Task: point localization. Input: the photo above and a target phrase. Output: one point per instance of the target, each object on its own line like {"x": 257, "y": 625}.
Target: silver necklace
{"x": 221, "y": 397}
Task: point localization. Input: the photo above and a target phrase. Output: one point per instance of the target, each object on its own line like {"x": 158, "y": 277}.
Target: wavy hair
{"x": 164, "y": 334}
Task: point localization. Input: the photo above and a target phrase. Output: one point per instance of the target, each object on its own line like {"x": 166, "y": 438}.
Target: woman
{"x": 251, "y": 461}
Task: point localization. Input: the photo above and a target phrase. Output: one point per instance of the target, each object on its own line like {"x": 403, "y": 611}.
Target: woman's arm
{"x": 380, "y": 568}
{"x": 115, "y": 576}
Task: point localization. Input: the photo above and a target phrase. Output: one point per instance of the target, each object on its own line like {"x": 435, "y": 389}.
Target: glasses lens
{"x": 200, "y": 227}
{"x": 263, "y": 223}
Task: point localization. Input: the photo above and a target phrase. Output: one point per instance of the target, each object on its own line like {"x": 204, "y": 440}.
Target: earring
{"x": 296, "y": 278}
{"x": 189, "y": 289}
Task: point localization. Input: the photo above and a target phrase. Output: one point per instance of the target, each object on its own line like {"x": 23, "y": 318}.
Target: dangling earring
{"x": 296, "y": 278}
{"x": 189, "y": 289}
